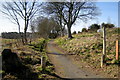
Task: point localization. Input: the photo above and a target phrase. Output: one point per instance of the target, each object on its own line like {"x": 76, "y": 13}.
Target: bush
{"x": 84, "y": 30}
{"x": 108, "y": 25}
{"x": 74, "y": 32}
{"x": 94, "y": 27}
{"x": 79, "y": 32}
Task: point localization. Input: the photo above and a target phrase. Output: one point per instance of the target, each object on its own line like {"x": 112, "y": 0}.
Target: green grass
{"x": 39, "y": 45}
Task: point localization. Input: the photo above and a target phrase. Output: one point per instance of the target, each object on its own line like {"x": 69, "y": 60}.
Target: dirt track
{"x": 64, "y": 66}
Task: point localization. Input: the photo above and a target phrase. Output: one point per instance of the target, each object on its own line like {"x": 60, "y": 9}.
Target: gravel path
{"x": 64, "y": 66}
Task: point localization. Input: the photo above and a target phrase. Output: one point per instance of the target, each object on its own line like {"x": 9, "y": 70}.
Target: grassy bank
{"x": 88, "y": 48}
{"x": 30, "y": 57}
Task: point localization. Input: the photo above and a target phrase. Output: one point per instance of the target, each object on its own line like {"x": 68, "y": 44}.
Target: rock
{"x": 10, "y": 61}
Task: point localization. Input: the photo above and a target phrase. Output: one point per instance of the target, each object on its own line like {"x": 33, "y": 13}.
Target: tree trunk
{"x": 69, "y": 32}
{"x": 62, "y": 33}
{"x": 25, "y": 29}
{"x": 25, "y": 35}
{"x": 20, "y": 34}
{"x": 61, "y": 29}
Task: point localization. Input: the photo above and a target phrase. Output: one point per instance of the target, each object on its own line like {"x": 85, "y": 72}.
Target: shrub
{"x": 74, "y": 32}
{"x": 94, "y": 27}
{"x": 108, "y": 25}
{"x": 79, "y": 32}
{"x": 84, "y": 30}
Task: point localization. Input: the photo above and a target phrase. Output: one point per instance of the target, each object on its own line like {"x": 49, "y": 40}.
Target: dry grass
{"x": 32, "y": 60}
{"x": 88, "y": 48}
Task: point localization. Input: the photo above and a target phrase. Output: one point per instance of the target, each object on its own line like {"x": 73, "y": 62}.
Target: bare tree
{"x": 8, "y": 10}
{"x": 69, "y": 12}
{"x": 60, "y": 22}
{"x": 55, "y": 8}
{"x": 24, "y": 10}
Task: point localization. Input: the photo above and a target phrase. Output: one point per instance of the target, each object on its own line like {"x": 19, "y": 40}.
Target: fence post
{"x": 104, "y": 47}
{"x": 117, "y": 49}
{"x": 43, "y": 62}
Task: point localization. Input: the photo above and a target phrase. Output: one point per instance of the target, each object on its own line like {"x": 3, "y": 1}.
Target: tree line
{"x": 95, "y": 27}
{"x": 13, "y": 35}
{"x": 48, "y": 28}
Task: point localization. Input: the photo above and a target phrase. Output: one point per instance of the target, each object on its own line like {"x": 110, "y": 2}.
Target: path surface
{"x": 64, "y": 66}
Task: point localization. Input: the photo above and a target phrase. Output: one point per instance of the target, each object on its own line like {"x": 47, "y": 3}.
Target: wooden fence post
{"x": 43, "y": 62}
{"x": 117, "y": 49}
{"x": 104, "y": 47}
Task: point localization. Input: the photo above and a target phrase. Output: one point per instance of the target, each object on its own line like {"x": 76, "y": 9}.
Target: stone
{"x": 10, "y": 61}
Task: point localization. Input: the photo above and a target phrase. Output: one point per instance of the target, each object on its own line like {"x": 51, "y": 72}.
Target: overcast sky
{"x": 108, "y": 9}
